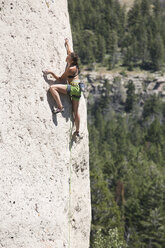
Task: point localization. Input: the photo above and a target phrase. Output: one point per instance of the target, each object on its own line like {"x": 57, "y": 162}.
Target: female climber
{"x": 72, "y": 88}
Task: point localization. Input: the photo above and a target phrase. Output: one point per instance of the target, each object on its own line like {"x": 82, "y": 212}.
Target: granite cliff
{"x": 44, "y": 174}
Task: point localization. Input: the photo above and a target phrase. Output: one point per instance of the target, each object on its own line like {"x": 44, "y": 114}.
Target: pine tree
{"x": 131, "y": 97}
{"x": 101, "y": 49}
{"x": 157, "y": 52}
{"x": 112, "y": 49}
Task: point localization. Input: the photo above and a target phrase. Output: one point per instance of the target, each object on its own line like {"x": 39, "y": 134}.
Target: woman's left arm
{"x": 64, "y": 75}
{"x": 54, "y": 75}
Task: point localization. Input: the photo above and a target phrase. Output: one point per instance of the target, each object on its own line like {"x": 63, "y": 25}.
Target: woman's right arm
{"x": 67, "y": 46}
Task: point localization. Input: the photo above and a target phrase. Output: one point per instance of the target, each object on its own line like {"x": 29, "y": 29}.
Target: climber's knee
{"x": 52, "y": 88}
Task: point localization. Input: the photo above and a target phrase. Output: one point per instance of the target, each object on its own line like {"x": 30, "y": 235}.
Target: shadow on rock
{"x": 74, "y": 140}
{"x": 66, "y": 102}
{"x": 48, "y": 81}
{"x": 51, "y": 103}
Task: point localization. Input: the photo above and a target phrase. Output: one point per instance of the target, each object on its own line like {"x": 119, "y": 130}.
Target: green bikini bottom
{"x": 74, "y": 90}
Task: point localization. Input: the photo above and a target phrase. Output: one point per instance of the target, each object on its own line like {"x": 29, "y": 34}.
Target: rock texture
{"x": 145, "y": 84}
{"x": 44, "y": 174}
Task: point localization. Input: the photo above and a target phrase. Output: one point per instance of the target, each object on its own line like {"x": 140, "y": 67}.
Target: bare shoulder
{"x": 72, "y": 69}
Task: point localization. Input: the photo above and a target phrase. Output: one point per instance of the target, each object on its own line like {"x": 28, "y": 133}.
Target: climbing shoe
{"x": 57, "y": 110}
{"x": 76, "y": 133}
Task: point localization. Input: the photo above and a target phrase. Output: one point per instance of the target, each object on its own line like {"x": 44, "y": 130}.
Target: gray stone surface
{"x": 38, "y": 159}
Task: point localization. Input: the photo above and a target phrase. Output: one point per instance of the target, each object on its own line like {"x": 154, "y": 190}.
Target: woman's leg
{"x": 55, "y": 90}
{"x": 75, "y": 105}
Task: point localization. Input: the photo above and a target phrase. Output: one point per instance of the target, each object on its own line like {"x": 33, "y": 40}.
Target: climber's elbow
{"x": 69, "y": 52}
{"x": 61, "y": 79}
{"x": 63, "y": 76}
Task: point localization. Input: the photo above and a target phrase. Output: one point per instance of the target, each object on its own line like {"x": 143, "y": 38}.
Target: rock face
{"x": 44, "y": 173}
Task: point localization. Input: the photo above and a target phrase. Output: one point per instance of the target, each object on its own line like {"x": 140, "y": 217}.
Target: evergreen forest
{"x": 103, "y": 32}
{"x": 127, "y": 147}
{"x": 127, "y": 172}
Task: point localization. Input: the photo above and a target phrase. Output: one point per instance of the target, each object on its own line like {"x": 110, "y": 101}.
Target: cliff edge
{"x": 44, "y": 174}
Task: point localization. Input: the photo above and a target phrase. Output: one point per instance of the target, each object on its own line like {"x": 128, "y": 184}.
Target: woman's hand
{"x": 66, "y": 41}
{"x": 46, "y": 72}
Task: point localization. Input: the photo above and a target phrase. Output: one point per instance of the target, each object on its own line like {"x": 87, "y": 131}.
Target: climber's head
{"x": 72, "y": 58}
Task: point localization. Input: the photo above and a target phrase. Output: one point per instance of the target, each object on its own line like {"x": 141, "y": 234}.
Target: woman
{"x": 72, "y": 88}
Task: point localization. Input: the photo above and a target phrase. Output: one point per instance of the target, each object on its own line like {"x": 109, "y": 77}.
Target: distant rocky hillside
{"x": 145, "y": 84}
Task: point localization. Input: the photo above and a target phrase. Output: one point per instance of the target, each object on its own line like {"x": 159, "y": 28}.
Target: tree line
{"x": 103, "y": 32}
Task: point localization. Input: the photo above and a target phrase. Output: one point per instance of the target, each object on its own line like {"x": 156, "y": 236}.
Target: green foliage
{"x": 127, "y": 174}
{"x": 112, "y": 240}
{"x": 103, "y": 29}
{"x": 131, "y": 97}
{"x": 157, "y": 52}
{"x": 97, "y": 27}
{"x": 127, "y": 155}
{"x": 152, "y": 107}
